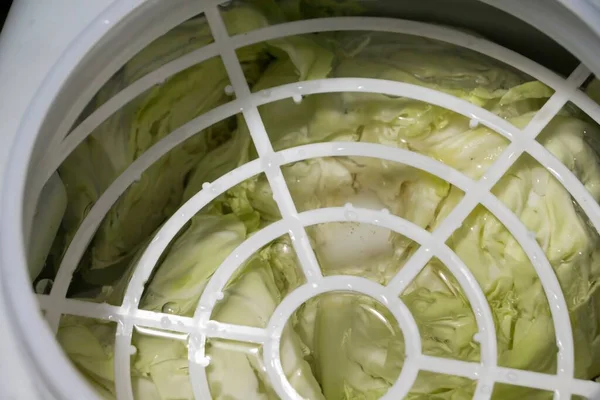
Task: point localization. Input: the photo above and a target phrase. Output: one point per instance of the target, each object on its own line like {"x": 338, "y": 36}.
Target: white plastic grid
{"x": 476, "y": 193}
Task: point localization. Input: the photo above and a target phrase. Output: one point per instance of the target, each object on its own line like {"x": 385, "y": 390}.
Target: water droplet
{"x": 229, "y": 90}
{"x": 477, "y": 337}
{"x": 339, "y": 149}
{"x": 350, "y": 215}
{"x": 314, "y": 286}
{"x": 111, "y": 317}
{"x": 384, "y": 300}
{"x": 132, "y": 349}
{"x": 359, "y": 88}
{"x": 205, "y": 185}
{"x": 201, "y": 360}
{"x": 43, "y": 286}
{"x": 299, "y": 87}
{"x": 219, "y": 296}
{"x": 182, "y": 215}
{"x": 473, "y": 123}
{"x": 214, "y": 189}
{"x": 349, "y": 286}
{"x": 212, "y": 326}
{"x": 165, "y": 322}
{"x": 271, "y": 162}
{"x": 106, "y": 22}
{"x": 170, "y": 308}
{"x": 511, "y": 376}
{"x": 265, "y": 93}
{"x": 297, "y": 98}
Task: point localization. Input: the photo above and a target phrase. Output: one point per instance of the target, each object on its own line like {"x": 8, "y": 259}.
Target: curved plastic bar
{"x": 122, "y": 360}
{"x": 53, "y": 160}
{"x": 412, "y": 340}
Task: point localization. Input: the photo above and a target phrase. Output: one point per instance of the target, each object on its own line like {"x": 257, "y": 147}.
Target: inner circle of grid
{"x": 269, "y": 162}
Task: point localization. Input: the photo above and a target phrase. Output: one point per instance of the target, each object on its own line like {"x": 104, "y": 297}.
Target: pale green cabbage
{"x": 111, "y": 148}
{"x": 342, "y": 346}
{"x": 593, "y": 90}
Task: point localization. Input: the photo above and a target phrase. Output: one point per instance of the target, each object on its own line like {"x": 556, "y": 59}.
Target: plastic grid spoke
{"x": 269, "y": 162}
{"x": 271, "y": 168}
{"x": 155, "y": 323}
{"x": 509, "y": 376}
{"x": 556, "y": 102}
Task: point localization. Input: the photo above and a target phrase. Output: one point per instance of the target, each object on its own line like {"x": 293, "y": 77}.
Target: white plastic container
{"x": 45, "y": 138}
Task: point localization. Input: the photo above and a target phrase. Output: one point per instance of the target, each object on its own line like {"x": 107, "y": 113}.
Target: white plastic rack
{"x": 200, "y": 327}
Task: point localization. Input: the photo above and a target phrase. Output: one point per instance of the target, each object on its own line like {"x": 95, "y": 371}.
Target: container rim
{"x": 43, "y": 353}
